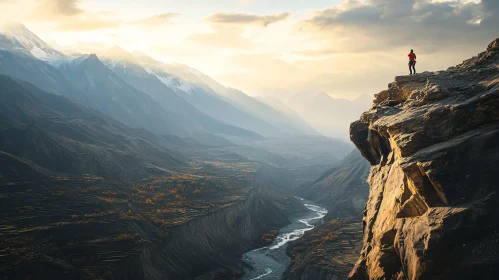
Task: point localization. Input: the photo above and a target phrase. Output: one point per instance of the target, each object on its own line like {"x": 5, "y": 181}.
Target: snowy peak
{"x": 163, "y": 73}
{"x": 86, "y": 59}
{"x": 118, "y": 59}
{"x": 16, "y": 37}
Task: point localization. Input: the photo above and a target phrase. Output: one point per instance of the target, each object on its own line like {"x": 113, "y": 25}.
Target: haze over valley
{"x": 248, "y": 139}
{"x": 144, "y": 148}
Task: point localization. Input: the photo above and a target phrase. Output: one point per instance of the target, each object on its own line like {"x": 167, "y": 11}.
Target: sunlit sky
{"x": 342, "y": 47}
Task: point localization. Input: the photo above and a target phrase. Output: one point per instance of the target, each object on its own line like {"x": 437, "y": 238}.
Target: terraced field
{"x": 88, "y": 225}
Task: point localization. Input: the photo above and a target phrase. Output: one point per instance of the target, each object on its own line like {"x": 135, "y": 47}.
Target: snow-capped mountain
{"x": 192, "y": 101}
{"x": 174, "y": 75}
{"x": 71, "y": 61}
{"x": 223, "y": 103}
{"x": 15, "y": 37}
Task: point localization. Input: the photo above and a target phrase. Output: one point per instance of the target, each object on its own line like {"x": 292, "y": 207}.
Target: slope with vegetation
{"x": 113, "y": 169}
{"x": 329, "y": 250}
{"x": 51, "y": 132}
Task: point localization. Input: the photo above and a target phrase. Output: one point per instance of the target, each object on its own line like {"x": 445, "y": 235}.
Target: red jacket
{"x": 412, "y": 56}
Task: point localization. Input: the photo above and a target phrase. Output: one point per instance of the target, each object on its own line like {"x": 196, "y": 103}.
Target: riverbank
{"x": 327, "y": 252}
{"x": 270, "y": 262}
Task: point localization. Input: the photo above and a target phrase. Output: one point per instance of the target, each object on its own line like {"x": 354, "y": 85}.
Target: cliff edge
{"x": 433, "y": 142}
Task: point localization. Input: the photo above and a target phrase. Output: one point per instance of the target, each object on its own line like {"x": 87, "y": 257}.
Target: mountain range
{"x": 43, "y": 131}
{"x": 140, "y": 91}
{"x": 171, "y": 106}
{"x": 129, "y": 156}
{"x": 328, "y": 115}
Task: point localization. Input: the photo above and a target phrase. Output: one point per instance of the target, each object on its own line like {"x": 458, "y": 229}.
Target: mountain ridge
{"x": 65, "y": 137}
{"x": 106, "y": 92}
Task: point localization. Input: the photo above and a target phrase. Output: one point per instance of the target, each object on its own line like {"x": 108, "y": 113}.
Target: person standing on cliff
{"x": 412, "y": 62}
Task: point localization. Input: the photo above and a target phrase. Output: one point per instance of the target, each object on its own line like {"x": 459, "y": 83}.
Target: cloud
{"x": 222, "y": 38}
{"x": 368, "y": 41}
{"x": 157, "y": 19}
{"x": 382, "y": 25}
{"x": 59, "y": 7}
{"x": 67, "y": 15}
{"x": 246, "y": 19}
{"x": 87, "y": 24}
{"x": 491, "y": 18}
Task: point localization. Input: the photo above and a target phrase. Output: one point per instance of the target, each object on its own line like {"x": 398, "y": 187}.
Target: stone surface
{"x": 433, "y": 142}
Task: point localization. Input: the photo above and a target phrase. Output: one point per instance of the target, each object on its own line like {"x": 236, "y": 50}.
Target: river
{"x": 270, "y": 262}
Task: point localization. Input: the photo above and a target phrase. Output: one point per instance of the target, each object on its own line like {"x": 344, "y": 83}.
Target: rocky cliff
{"x": 433, "y": 142}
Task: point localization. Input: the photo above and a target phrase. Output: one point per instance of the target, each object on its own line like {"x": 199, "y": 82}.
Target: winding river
{"x": 270, "y": 262}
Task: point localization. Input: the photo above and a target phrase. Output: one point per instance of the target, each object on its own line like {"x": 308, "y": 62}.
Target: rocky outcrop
{"x": 433, "y": 142}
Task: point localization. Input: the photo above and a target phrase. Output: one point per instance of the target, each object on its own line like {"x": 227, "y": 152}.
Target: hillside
{"x": 341, "y": 189}
{"x": 84, "y": 196}
{"x": 217, "y": 101}
{"x": 330, "y": 249}
{"x": 432, "y": 140}
{"x": 86, "y": 80}
{"x": 46, "y": 131}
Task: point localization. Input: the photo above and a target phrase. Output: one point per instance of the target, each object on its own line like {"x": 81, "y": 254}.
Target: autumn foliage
{"x": 166, "y": 201}
{"x": 269, "y": 236}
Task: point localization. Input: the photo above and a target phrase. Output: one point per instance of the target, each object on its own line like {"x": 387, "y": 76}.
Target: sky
{"x": 342, "y": 47}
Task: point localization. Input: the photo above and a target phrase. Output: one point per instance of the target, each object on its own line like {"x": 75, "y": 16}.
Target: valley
{"x": 271, "y": 261}
{"x": 113, "y": 169}
{"x": 249, "y": 140}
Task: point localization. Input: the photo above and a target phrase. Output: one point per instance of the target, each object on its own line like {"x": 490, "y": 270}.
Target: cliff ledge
{"x": 433, "y": 142}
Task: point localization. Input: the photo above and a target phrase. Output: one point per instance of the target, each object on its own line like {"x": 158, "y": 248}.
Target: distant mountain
{"x": 128, "y": 69}
{"x": 87, "y": 80}
{"x": 328, "y": 115}
{"x": 222, "y": 103}
{"x": 195, "y": 102}
{"x": 15, "y": 37}
{"x": 109, "y": 94}
{"x": 275, "y": 117}
{"x": 281, "y": 107}
{"x": 43, "y": 131}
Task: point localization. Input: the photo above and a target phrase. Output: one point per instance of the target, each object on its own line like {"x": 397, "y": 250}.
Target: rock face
{"x": 433, "y": 142}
